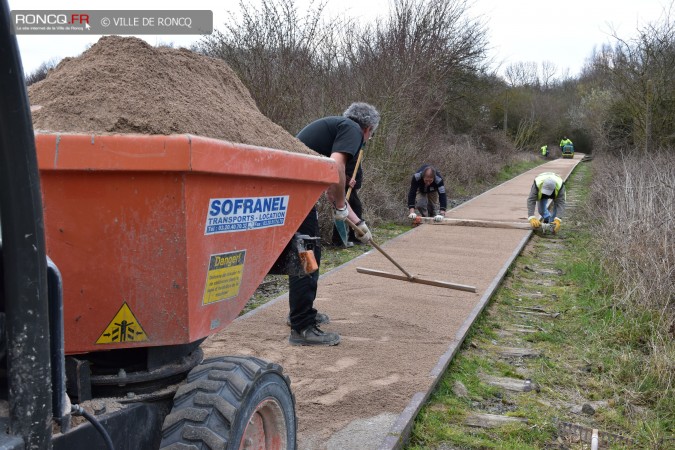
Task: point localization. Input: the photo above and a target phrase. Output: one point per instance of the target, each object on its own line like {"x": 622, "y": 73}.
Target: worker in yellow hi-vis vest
{"x": 565, "y": 141}
{"x": 548, "y": 195}
{"x": 544, "y": 150}
{"x": 567, "y": 148}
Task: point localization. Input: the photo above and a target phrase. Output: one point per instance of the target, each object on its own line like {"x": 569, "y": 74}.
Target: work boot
{"x": 321, "y": 319}
{"x": 313, "y": 335}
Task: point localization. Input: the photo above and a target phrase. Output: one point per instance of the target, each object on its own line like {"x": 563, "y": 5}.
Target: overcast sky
{"x": 563, "y": 32}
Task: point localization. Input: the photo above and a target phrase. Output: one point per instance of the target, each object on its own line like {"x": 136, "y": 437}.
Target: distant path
{"x": 397, "y": 337}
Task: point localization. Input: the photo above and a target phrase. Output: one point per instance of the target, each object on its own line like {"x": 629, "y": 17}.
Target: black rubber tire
{"x": 211, "y": 411}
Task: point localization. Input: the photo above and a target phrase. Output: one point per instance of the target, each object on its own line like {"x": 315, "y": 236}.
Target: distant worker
{"x": 549, "y": 190}
{"x": 566, "y": 148}
{"x": 565, "y": 142}
{"x": 340, "y": 138}
{"x": 354, "y": 182}
{"x": 544, "y": 150}
{"x": 427, "y": 194}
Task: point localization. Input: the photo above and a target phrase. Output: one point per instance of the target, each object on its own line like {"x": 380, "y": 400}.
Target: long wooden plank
{"x": 478, "y": 223}
{"x": 443, "y": 284}
{"x": 518, "y": 352}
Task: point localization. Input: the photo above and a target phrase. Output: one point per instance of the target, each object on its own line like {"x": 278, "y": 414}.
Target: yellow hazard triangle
{"x": 123, "y": 328}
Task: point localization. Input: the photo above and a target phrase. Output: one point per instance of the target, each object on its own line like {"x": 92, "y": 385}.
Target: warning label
{"x": 227, "y": 215}
{"x": 224, "y": 276}
{"x": 123, "y": 328}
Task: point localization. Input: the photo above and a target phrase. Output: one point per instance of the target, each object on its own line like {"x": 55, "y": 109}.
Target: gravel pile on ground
{"x": 124, "y": 85}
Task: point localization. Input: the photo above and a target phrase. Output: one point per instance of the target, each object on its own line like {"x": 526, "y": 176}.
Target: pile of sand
{"x": 124, "y": 85}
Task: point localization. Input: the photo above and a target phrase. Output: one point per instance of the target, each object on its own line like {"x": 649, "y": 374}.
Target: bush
{"x": 466, "y": 165}
{"x": 422, "y": 66}
{"x": 633, "y": 197}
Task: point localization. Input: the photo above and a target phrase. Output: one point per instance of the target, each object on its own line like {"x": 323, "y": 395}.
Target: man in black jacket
{"x": 427, "y": 194}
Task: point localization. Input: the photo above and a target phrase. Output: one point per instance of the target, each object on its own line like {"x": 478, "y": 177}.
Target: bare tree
{"x": 421, "y": 61}
{"x": 548, "y": 71}
{"x": 641, "y": 71}
{"x": 279, "y": 54}
{"x": 522, "y": 74}
{"x": 41, "y": 72}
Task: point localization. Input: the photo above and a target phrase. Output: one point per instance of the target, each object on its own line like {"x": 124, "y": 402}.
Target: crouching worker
{"x": 427, "y": 194}
{"x": 548, "y": 194}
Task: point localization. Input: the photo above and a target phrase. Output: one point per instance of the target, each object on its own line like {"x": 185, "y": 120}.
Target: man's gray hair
{"x": 364, "y": 114}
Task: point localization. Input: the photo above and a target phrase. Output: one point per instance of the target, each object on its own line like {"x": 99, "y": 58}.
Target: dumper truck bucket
{"x": 161, "y": 240}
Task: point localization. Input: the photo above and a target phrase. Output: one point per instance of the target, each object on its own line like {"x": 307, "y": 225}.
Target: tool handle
{"x": 356, "y": 169}
{"x": 410, "y": 277}
{"x": 374, "y": 244}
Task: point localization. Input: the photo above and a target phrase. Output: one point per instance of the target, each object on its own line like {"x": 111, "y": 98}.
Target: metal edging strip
{"x": 399, "y": 432}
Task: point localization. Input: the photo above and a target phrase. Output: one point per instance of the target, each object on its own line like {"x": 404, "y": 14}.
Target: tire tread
{"x": 205, "y": 408}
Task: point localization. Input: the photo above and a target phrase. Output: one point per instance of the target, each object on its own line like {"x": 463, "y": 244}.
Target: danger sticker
{"x": 124, "y": 327}
{"x": 228, "y": 215}
{"x": 223, "y": 278}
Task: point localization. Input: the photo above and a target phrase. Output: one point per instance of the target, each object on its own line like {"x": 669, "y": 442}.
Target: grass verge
{"x": 557, "y": 301}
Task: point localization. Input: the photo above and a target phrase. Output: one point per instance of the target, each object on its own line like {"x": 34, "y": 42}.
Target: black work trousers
{"x": 302, "y": 289}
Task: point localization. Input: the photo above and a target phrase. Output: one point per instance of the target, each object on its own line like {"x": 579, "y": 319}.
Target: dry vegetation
{"x": 633, "y": 198}
{"x": 423, "y": 67}
{"x": 635, "y": 207}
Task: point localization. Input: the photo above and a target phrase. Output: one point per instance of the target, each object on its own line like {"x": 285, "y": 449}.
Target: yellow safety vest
{"x": 539, "y": 180}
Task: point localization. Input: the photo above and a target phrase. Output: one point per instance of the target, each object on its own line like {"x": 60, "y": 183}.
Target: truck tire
{"x": 232, "y": 402}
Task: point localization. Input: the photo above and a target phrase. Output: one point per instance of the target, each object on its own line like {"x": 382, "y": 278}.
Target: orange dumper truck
{"x": 121, "y": 254}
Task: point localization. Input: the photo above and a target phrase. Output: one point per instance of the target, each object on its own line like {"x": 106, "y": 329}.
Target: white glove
{"x": 364, "y": 234}
{"x": 341, "y": 214}
{"x": 439, "y": 218}
{"x": 412, "y": 216}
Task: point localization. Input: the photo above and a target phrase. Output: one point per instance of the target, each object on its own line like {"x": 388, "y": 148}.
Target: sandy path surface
{"x": 393, "y": 332}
